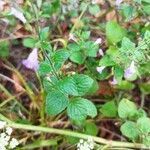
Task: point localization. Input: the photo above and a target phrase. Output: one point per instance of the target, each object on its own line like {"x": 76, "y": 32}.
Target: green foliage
{"x": 79, "y": 109}
{"x": 94, "y": 9}
{"x": 90, "y": 128}
{"x": 145, "y": 88}
{"x": 56, "y": 102}
{"x": 109, "y": 109}
{"x": 4, "y": 49}
{"x": 29, "y": 42}
{"x": 130, "y": 130}
{"x": 114, "y": 32}
{"x": 126, "y": 109}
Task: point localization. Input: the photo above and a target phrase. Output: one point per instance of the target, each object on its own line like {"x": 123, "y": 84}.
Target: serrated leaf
{"x": 114, "y": 32}
{"x": 130, "y": 130}
{"x": 83, "y": 83}
{"x": 79, "y": 109}
{"x": 56, "y": 102}
{"x": 144, "y": 124}
{"x": 109, "y": 109}
{"x": 127, "y": 109}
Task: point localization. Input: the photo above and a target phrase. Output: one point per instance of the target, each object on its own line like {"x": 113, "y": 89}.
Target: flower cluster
{"x": 86, "y": 145}
{"x": 6, "y": 142}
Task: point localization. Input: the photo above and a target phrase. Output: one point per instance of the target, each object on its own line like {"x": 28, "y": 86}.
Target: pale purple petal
{"x": 18, "y": 14}
{"x": 114, "y": 81}
{"x": 100, "y": 51}
{"x": 130, "y": 71}
{"x": 118, "y": 2}
{"x": 98, "y": 41}
{"x": 32, "y": 61}
{"x": 100, "y": 69}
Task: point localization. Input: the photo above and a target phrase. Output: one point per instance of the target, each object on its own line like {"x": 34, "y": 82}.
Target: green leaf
{"x": 85, "y": 35}
{"x": 130, "y": 130}
{"x": 44, "y": 68}
{"x": 59, "y": 58}
{"x": 83, "y": 83}
{"x": 127, "y": 109}
{"x": 4, "y": 49}
{"x": 144, "y": 124}
{"x": 128, "y": 11}
{"x": 147, "y": 1}
{"x": 125, "y": 85}
{"x": 106, "y": 61}
{"x": 44, "y": 33}
{"x": 94, "y": 9}
{"x": 109, "y": 109}
{"x": 56, "y": 102}
{"x": 78, "y": 57}
{"x": 29, "y": 42}
{"x": 79, "y": 109}
{"x": 114, "y": 32}
{"x": 118, "y": 73}
{"x": 91, "y": 128}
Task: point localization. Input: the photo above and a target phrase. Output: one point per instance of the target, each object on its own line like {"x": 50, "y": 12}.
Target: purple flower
{"x": 100, "y": 51}
{"x": 114, "y": 81}
{"x": 98, "y": 41}
{"x": 130, "y": 71}
{"x": 100, "y": 69}
{"x": 32, "y": 61}
{"x": 118, "y": 2}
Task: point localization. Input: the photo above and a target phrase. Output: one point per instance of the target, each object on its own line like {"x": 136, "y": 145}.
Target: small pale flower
{"x": 85, "y": 144}
{"x": 95, "y": 1}
{"x": 72, "y": 37}
{"x": 100, "y": 51}
{"x": 98, "y": 41}
{"x": 2, "y": 3}
{"x": 130, "y": 71}
{"x": 13, "y": 143}
{"x": 18, "y": 14}
{"x": 100, "y": 69}
{"x": 118, "y": 2}
{"x": 32, "y": 61}
{"x": 2, "y": 124}
{"x": 9, "y": 130}
{"x": 114, "y": 81}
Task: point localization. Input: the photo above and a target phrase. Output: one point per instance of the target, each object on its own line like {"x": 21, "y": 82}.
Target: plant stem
{"x": 73, "y": 134}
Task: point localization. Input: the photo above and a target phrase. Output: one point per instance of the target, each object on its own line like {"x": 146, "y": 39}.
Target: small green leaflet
{"x": 80, "y": 108}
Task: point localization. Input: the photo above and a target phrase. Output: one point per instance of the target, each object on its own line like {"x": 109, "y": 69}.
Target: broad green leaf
{"x": 109, "y": 109}
{"x": 144, "y": 124}
{"x": 56, "y": 102}
{"x": 129, "y": 11}
{"x": 94, "y": 9}
{"x": 78, "y": 57}
{"x": 44, "y": 68}
{"x": 4, "y": 49}
{"x": 125, "y": 85}
{"x": 114, "y": 32}
{"x": 68, "y": 86}
{"x": 29, "y": 42}
{"x": 130, "y": 130}
{"x": 59, "y": 58}
{"x": 83, "y": 83}
{"x": 106, "y": 61}
{"x": 127, "y": 109}
{"x": 79, "y": 109}
{"x": 90, "y": 128}
{"x": 85, "y": 35}
{"x": 147, "y": 1}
